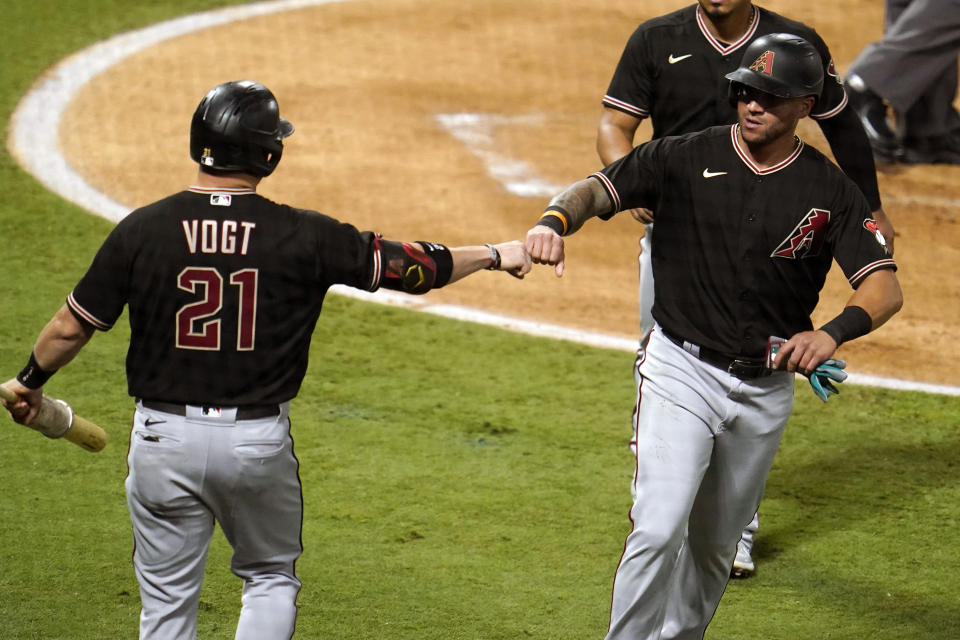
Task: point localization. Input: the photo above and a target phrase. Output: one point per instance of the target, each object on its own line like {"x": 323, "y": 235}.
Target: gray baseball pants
{"x": 188, "y": 472}
{"x": 705, "y": 443}
{"x": 914, "y": 66}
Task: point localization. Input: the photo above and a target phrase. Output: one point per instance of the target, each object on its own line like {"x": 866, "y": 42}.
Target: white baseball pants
{"x": 705, "y": 443}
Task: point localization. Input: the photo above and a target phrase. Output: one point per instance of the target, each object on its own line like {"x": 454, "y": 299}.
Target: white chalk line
{"x": 475, "y": 131}
{"x": 926, "y": 201}
{"x": 36, "y": 120}
{"x": 33, "y": 143}
{"x": 593, "y": 339}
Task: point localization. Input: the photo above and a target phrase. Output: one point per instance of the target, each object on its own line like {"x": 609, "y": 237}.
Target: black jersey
{"x": 208, "y": 276}
{"x": 742, "y": 252}
{"x": 672, "y": 70}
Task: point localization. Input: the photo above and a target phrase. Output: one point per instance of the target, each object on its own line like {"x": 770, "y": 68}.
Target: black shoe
{"x": 939, "y": 150}
{"x": 872, "y": 112}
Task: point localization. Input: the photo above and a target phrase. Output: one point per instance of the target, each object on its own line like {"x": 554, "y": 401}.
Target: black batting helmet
{"x": 780, "y": 64}
{"x": 237, "y": 128}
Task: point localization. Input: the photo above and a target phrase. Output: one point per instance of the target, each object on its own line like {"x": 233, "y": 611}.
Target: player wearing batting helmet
{"x": 749, "y": 222}
{"x": 796, "y": 74}
{"x": 672, "y": 71}
{"x": 224, "y": 288}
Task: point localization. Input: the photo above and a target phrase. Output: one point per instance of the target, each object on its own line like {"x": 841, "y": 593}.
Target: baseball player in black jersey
{"x": 749, "y": 219}
{"x": 224, "y": 288}
{"x": 672, "y": 71}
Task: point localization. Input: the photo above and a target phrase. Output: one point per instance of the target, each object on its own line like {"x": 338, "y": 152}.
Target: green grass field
{"x": 448, "y": 501}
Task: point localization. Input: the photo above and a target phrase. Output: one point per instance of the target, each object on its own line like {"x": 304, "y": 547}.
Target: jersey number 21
{"x": 198, "y": 323}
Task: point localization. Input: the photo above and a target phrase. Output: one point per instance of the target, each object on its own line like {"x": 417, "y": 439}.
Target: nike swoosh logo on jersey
{"x": 149, "y": 422}
{"x": 713, "y": 174}
{"x": 672, "y": 59}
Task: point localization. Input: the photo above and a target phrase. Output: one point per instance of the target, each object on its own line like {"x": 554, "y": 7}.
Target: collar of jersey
{"x": 721, "y": 47}
{"x": 235, "y": 191}
{"x": 753, "y": 166}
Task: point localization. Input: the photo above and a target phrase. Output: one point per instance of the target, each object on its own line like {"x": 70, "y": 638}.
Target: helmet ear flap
{"x": 733, "y": 89}
{"x": 272, "y": 158}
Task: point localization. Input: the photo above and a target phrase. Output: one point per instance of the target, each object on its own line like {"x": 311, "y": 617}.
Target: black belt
{"x": 248, "y": 412}
{"x": 742, "y": 368}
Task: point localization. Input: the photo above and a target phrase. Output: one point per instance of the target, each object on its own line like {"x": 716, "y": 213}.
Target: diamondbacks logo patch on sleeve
{"x": 832, "y": 72}
{"x": 871, "y": 225}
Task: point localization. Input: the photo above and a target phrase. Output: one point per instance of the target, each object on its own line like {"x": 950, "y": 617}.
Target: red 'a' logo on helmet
{"x": 806, "y": 239}
{"x": 763, "y": 64}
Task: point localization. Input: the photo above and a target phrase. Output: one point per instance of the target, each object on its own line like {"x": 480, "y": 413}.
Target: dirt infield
{"x": 365, "y": 81}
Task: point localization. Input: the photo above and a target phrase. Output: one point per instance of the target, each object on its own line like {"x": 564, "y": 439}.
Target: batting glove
{"x": 825, "y": 375}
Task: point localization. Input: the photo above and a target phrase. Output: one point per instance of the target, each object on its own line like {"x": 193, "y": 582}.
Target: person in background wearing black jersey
{"x": 749, "y": 222}
{"x": 224, "y": 288}
{"x": 672, "y": 71}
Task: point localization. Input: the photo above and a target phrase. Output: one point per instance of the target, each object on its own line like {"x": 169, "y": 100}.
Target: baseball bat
{"x": 57, "y": 420}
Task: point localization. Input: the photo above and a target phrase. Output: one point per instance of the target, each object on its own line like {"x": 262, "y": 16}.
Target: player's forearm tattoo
{"x": 581, "y": 201}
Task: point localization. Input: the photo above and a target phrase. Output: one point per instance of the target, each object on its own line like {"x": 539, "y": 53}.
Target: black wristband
{"x": 852, "y": 322}
{"x": 33, "y": 376}
{"x": 442, "y": 257}
{"x": 556, "y": 218}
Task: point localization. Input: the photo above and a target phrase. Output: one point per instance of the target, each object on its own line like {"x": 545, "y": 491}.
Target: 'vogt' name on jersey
{"x": 218, "y": 236}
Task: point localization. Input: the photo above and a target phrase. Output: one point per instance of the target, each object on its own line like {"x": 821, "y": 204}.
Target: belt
{"x": 742, "y": 368}
{"x": 247, "y": 412}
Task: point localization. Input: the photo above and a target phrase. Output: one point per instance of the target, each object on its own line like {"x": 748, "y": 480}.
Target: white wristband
{"x": 494, "y": 257}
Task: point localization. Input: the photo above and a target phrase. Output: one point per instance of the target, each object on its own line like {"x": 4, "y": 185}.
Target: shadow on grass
{"x": 860, "y": 508}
